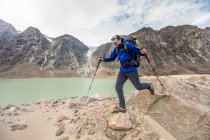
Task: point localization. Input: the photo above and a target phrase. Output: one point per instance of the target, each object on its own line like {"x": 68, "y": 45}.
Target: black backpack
{"x": 135, "y": 56}
{"x": 130, "y": 39}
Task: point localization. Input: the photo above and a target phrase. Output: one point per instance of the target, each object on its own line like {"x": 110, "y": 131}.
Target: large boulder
{"x": 182, "y": 119}
{"x": 120, "y": 121}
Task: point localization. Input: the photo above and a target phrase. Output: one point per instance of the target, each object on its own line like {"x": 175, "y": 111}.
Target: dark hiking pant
{"x": 134, "y": 78}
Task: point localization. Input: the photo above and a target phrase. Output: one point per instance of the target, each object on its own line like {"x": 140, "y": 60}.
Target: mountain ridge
{"x": 182, "y": 49}
{"x": 172, "y": 50}
{"x": 64, "y": 52}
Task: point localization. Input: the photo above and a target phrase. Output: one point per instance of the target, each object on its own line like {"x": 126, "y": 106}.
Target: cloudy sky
{"x": 94, "y": 22}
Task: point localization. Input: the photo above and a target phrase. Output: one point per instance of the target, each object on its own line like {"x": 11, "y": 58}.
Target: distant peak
{"x": 7, "y": 27}
{"x": 32, "y": 30}
{"x": 66, "y": 36}
{"x": 2, "y": 21}
{"x": 142, "y": 31}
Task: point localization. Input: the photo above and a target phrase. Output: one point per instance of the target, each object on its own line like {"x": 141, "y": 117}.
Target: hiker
{"x": 128, "y": 69}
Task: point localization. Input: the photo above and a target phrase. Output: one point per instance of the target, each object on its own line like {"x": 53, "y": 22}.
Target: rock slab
{"x": 60, "y": 130}
{"x": 120, "y": 121}
{"x": 18, "y": 127}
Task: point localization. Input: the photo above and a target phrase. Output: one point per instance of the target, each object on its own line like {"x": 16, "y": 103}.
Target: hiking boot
{"x": 119, "y": 109}
{"x": 152, "y": 91}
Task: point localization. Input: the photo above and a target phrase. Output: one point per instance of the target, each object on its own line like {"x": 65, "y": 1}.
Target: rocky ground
{"x": 180, "y": 110}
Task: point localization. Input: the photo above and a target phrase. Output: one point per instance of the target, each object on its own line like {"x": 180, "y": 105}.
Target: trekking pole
{"x": 153, "y": 70}
{"x": 93, "y": 76}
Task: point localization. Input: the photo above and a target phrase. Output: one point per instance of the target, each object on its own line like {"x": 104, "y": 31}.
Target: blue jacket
{"x": 123, "y": 56}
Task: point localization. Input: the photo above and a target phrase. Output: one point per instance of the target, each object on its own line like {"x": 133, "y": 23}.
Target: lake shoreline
{"x": 17, "y": 90}
{"x": 22, "y": 91}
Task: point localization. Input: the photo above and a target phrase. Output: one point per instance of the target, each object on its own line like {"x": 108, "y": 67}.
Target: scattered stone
{"x": 147, "y": 127}
{"x": 135, "y": 133}
{"x": 132, "y": 108}
{"x": 9, "y": 106}
{"x": 60, "y": 124}
{"x": 18, "y": 127}
{"x": 1, "y": 110}
{"x": 60, "y": 118}
{"x": 120, "y": 121}
{"x": 30, "y": 108}
{"x": 76, "y": 119}
{"x": 150, "y": 136}
{"x": 60, "y": 130}
{"x": 16, "y": 114}
{"x": 91, "y": 132}
{"x": 72, "y": 105}
{"x": 2, "y": 122}
{"x": 76, "y": 111}
{"x": 79, "y": 130}
{"x": 65, "y": 138}
{"x": 91, "y": 99}
{"x": 55, "y": 102}
{"x": 41, "y": 101}
{"x": 114, "y": 135}
{"x": 78, "y": 137}
{"x": 8, "y": 121}
{"x": 26, "y": 104}
{"x": 10, "y": 111}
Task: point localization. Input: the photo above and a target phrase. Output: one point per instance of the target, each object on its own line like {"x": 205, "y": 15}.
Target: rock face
{"x": 32, "y": 47}
{"x": 120, "y": 121}
{"x": 185, "y": 116}
{"x": 173, "y": 50}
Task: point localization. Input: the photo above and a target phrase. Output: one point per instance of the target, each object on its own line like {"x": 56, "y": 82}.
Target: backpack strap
{"x": 124, "y": 48}
{"x": 116, "y": 50}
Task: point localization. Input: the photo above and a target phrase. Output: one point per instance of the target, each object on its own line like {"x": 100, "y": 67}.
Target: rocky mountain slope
{"x": 179, "y": 111}
{"x": 171, "y": 50}
{"x": 31, "y": 48}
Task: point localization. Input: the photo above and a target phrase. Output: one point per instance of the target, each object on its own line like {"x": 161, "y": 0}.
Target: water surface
{"x": 22, "y": 91}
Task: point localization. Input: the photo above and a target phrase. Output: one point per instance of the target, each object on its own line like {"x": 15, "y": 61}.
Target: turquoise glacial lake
{"x": 23, "y": 91}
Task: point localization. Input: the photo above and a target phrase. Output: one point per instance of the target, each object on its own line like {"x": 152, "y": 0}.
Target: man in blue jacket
{"x": 128, "y": 69}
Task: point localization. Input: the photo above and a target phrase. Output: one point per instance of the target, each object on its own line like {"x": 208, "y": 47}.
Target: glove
{"x": 101, "y": 59}
{"x": 143, "y": 51}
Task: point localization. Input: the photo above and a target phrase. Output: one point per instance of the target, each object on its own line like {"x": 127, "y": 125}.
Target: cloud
{"x": 94, "y": 22}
